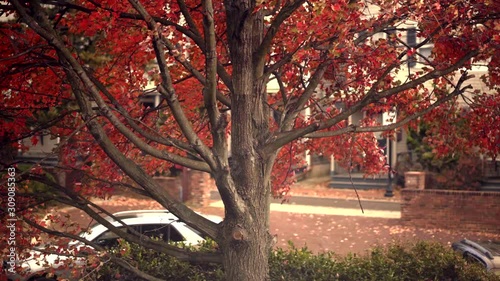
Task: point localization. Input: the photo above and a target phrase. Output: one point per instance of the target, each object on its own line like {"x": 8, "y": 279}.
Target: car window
{"x": 472, "y": 258}
{"x": 167, "y": 232}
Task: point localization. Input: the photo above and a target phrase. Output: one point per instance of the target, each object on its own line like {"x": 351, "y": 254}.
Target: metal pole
{"x": 388, "y": 190}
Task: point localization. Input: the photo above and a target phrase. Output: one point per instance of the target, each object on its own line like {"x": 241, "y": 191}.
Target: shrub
{"x": 456, "y": 169}
{"x": 158, "y": 264}
{"x": 397, "y": 262}
{"x": 418, "y": 261}
{"x": 301, "y": 264}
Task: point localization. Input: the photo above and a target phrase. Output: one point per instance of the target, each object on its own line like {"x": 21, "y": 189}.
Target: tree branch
{"x": 298, "y": 106}
{"x": 192, "y": 32}
{"x": 79, "y": 202}
{"x": 264, "y": 48}
{"x": 151, "y": 136}
{"x": 44, "y": 29}
{"x": 112, "y": 257}
{"x": 398, "y": 124}
{"x": 210, "y": 89}
{"x": 166, "y": 89}
{"x": 133, "y": 170}
{"x": 289, "y": 136}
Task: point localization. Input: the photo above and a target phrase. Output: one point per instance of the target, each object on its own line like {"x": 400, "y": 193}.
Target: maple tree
{"x": 77, "y": 70}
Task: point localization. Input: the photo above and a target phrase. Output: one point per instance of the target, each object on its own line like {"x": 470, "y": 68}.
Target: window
{"x": 148, "y": 104}
{"x": 166, "y": 232}
{"x": 197, "y": 232}
{"x": 425, "y": 51}
{"x": 318, "y": 159}
{"x": 162, "y": 231}
{"x": 473, "y": 259}
{"x": 411, "y": 40}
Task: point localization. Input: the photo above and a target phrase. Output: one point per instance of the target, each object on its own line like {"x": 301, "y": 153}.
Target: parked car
{"x": 485, "y": 253}
{"x": 160, "y": 224}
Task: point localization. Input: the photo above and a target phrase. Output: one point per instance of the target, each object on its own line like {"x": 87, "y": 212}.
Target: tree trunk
{"x": 245, "y": 241}
{"x": 246, "y": 251}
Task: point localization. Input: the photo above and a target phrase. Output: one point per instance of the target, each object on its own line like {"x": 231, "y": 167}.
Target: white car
{"x": 153, "y": 223}
{"x": 485, "y": 253}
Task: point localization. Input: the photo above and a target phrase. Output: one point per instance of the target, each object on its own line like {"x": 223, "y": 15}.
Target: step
{"x": 488, "y": 188}
{"x": 358, "y": 184}
{"x": 490, "y": 184}
{"x": 492, "y": 181}
{"x": 346, "y": 181}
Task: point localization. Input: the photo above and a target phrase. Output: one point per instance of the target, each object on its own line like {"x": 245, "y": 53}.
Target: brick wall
{"x": 197, "y": 187}
{"x": 171, "y": 185}
{"x": 191, "y": 187}
{"x": 451, "y": 209}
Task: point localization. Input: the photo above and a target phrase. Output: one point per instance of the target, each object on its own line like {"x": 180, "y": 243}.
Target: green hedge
{"x": 159, "y": 265}
{"x": 418, "y": 261}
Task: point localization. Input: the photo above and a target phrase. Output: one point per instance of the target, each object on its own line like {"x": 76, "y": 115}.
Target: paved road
{"x": 334, "y": 203}
{"x": 343, "y": 232}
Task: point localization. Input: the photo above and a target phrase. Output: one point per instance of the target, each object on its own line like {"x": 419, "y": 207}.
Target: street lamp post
{"x": 387, "y": 119}
{"x": 388, "y": 190}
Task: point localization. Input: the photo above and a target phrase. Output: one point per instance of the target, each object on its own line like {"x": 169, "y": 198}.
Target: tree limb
{"x": 155, "y": 136}
{"x": 264, "y": 48}
{"x": 167, "y": 90}
{"x": 210, "y": 89}
{"x": 133, "y": 170}
{"x": 79, "y": 202}
{"x": 398, "y": 124}
{"x": 312, "y": 85}
{"x": 289, "y": 136}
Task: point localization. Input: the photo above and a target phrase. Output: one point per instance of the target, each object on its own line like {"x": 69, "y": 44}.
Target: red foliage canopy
{"x": 79, "y": 70}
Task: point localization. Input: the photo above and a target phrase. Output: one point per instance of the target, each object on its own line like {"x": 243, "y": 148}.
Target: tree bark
{"x": 247, "y": 260}
{"x": 247, "y": 245}
{"x": 246, "y": 242}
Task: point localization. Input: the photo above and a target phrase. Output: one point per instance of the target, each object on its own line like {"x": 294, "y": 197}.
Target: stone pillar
{"x": 415, "y": 180}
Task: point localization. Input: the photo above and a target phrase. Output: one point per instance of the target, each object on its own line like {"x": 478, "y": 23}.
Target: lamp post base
{"x": 388, "y": 193}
